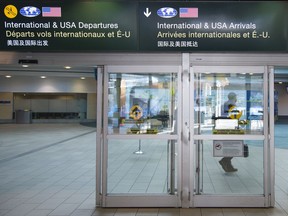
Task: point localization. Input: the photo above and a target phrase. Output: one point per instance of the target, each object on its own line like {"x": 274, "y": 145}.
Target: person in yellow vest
{"x": 229, "y": 110}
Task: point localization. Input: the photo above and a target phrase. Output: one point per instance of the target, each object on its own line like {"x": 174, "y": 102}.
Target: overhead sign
{"x": 143, "y": 26}
{"x": 214, "y": 26}
{"x": 68, "y": 26}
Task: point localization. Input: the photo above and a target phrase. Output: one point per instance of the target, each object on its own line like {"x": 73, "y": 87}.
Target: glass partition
{"x": 228, "y": 103}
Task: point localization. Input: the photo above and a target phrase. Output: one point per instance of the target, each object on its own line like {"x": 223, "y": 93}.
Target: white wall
{"x": 50, "y": 84}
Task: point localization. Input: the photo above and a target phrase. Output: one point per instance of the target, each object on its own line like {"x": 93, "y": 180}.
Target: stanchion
{"x": 139, "y": 149}
{"x": 139, "y": 145}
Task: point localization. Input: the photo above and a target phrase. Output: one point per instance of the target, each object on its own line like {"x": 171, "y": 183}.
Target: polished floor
{"x": 49, "y": 169}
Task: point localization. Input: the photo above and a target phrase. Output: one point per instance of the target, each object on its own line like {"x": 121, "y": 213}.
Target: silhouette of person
{"x": 225, "y": 162}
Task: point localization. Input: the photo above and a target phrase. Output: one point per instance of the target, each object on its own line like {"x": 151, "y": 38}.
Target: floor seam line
{"x": 43, "y": 147}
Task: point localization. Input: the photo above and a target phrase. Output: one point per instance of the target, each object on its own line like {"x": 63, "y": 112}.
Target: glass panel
{"x": 141, "y": 103}
{"x": 228, "y": 103}
{"x": 151, "y": 171}
{"x": 250, "y": 172}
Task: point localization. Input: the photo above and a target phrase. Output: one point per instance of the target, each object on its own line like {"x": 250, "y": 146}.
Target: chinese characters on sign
{"x": 144, "y": 26}
{"x": 42, "y": 26}
{"x": 213, "y": 26}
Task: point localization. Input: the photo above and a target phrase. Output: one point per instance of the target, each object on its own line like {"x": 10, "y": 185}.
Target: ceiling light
{"x": 280, "y": 82}
{"x": 43, "y": 77}
{"x": 67, "y": 67}
{"x": 25, "y": 66}
{"x": 83, "y": 78}
{"x": 8, "y": 76}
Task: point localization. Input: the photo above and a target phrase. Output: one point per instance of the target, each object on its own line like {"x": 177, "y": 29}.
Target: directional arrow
{"x": 147, "y": 13}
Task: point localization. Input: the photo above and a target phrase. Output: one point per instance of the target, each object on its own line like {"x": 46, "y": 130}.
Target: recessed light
{"x": 83, "y": 78}
{"x": 43, "y": 77}
{"x": 25, "y": 66}
{"x": 67, "y": 67}
{"x": 8, "y": 76}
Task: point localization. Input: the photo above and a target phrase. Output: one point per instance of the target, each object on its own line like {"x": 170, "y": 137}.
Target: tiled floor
{"x": 49, "y": 169}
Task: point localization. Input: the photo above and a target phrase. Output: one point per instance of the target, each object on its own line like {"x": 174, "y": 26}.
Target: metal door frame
{"x": 186, "y": 176}
{"x": 268, "y": 199}
{"x": 128, "y": 200}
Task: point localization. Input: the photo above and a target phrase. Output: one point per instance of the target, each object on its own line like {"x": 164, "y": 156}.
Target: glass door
{"x": 175, "y": 136}
{"x": 232, "y": 153}
{"x": 140, "y": 136}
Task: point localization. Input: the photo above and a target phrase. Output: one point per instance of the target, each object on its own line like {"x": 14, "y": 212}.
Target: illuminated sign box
{"x": 214, "y": 26}
{"x": 68, "y": 26}
{"x": 143, "y": 26}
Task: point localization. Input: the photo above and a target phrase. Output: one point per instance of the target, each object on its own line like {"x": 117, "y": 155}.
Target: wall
{"x": 283, "y": 99}
{"x": 62, "y": 86}
{"x": 6, "y": 105}
{"x": 51, "y": 102}
{"x": 91, "y": 105}
{"x": 50, "y": 84}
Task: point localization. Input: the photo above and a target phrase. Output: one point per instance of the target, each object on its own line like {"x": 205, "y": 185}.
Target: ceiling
{"x": 47, "y": 70}
{"x": 281, "y": 75}
{"x": 84, "y": 64}
{"x": 50, "y": 64}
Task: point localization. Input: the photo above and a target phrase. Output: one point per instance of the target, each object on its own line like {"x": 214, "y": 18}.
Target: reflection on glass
{"x": 141, "y": 103}
{"x": 228, "y": 103}
{"x": 153, "y": 171}
{"x": 248, "y": 179}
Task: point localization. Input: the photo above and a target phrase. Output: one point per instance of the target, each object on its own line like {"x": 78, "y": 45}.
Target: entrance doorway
{"x": 139, "y": 144}
{"x": 161, "y": 133}
{"x": 231, "y": 133}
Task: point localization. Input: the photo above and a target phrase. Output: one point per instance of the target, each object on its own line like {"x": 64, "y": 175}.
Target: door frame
{"x": 215, "y": 200}
{"x": 129, "y": 200}
{"x": 185, "y": 180}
